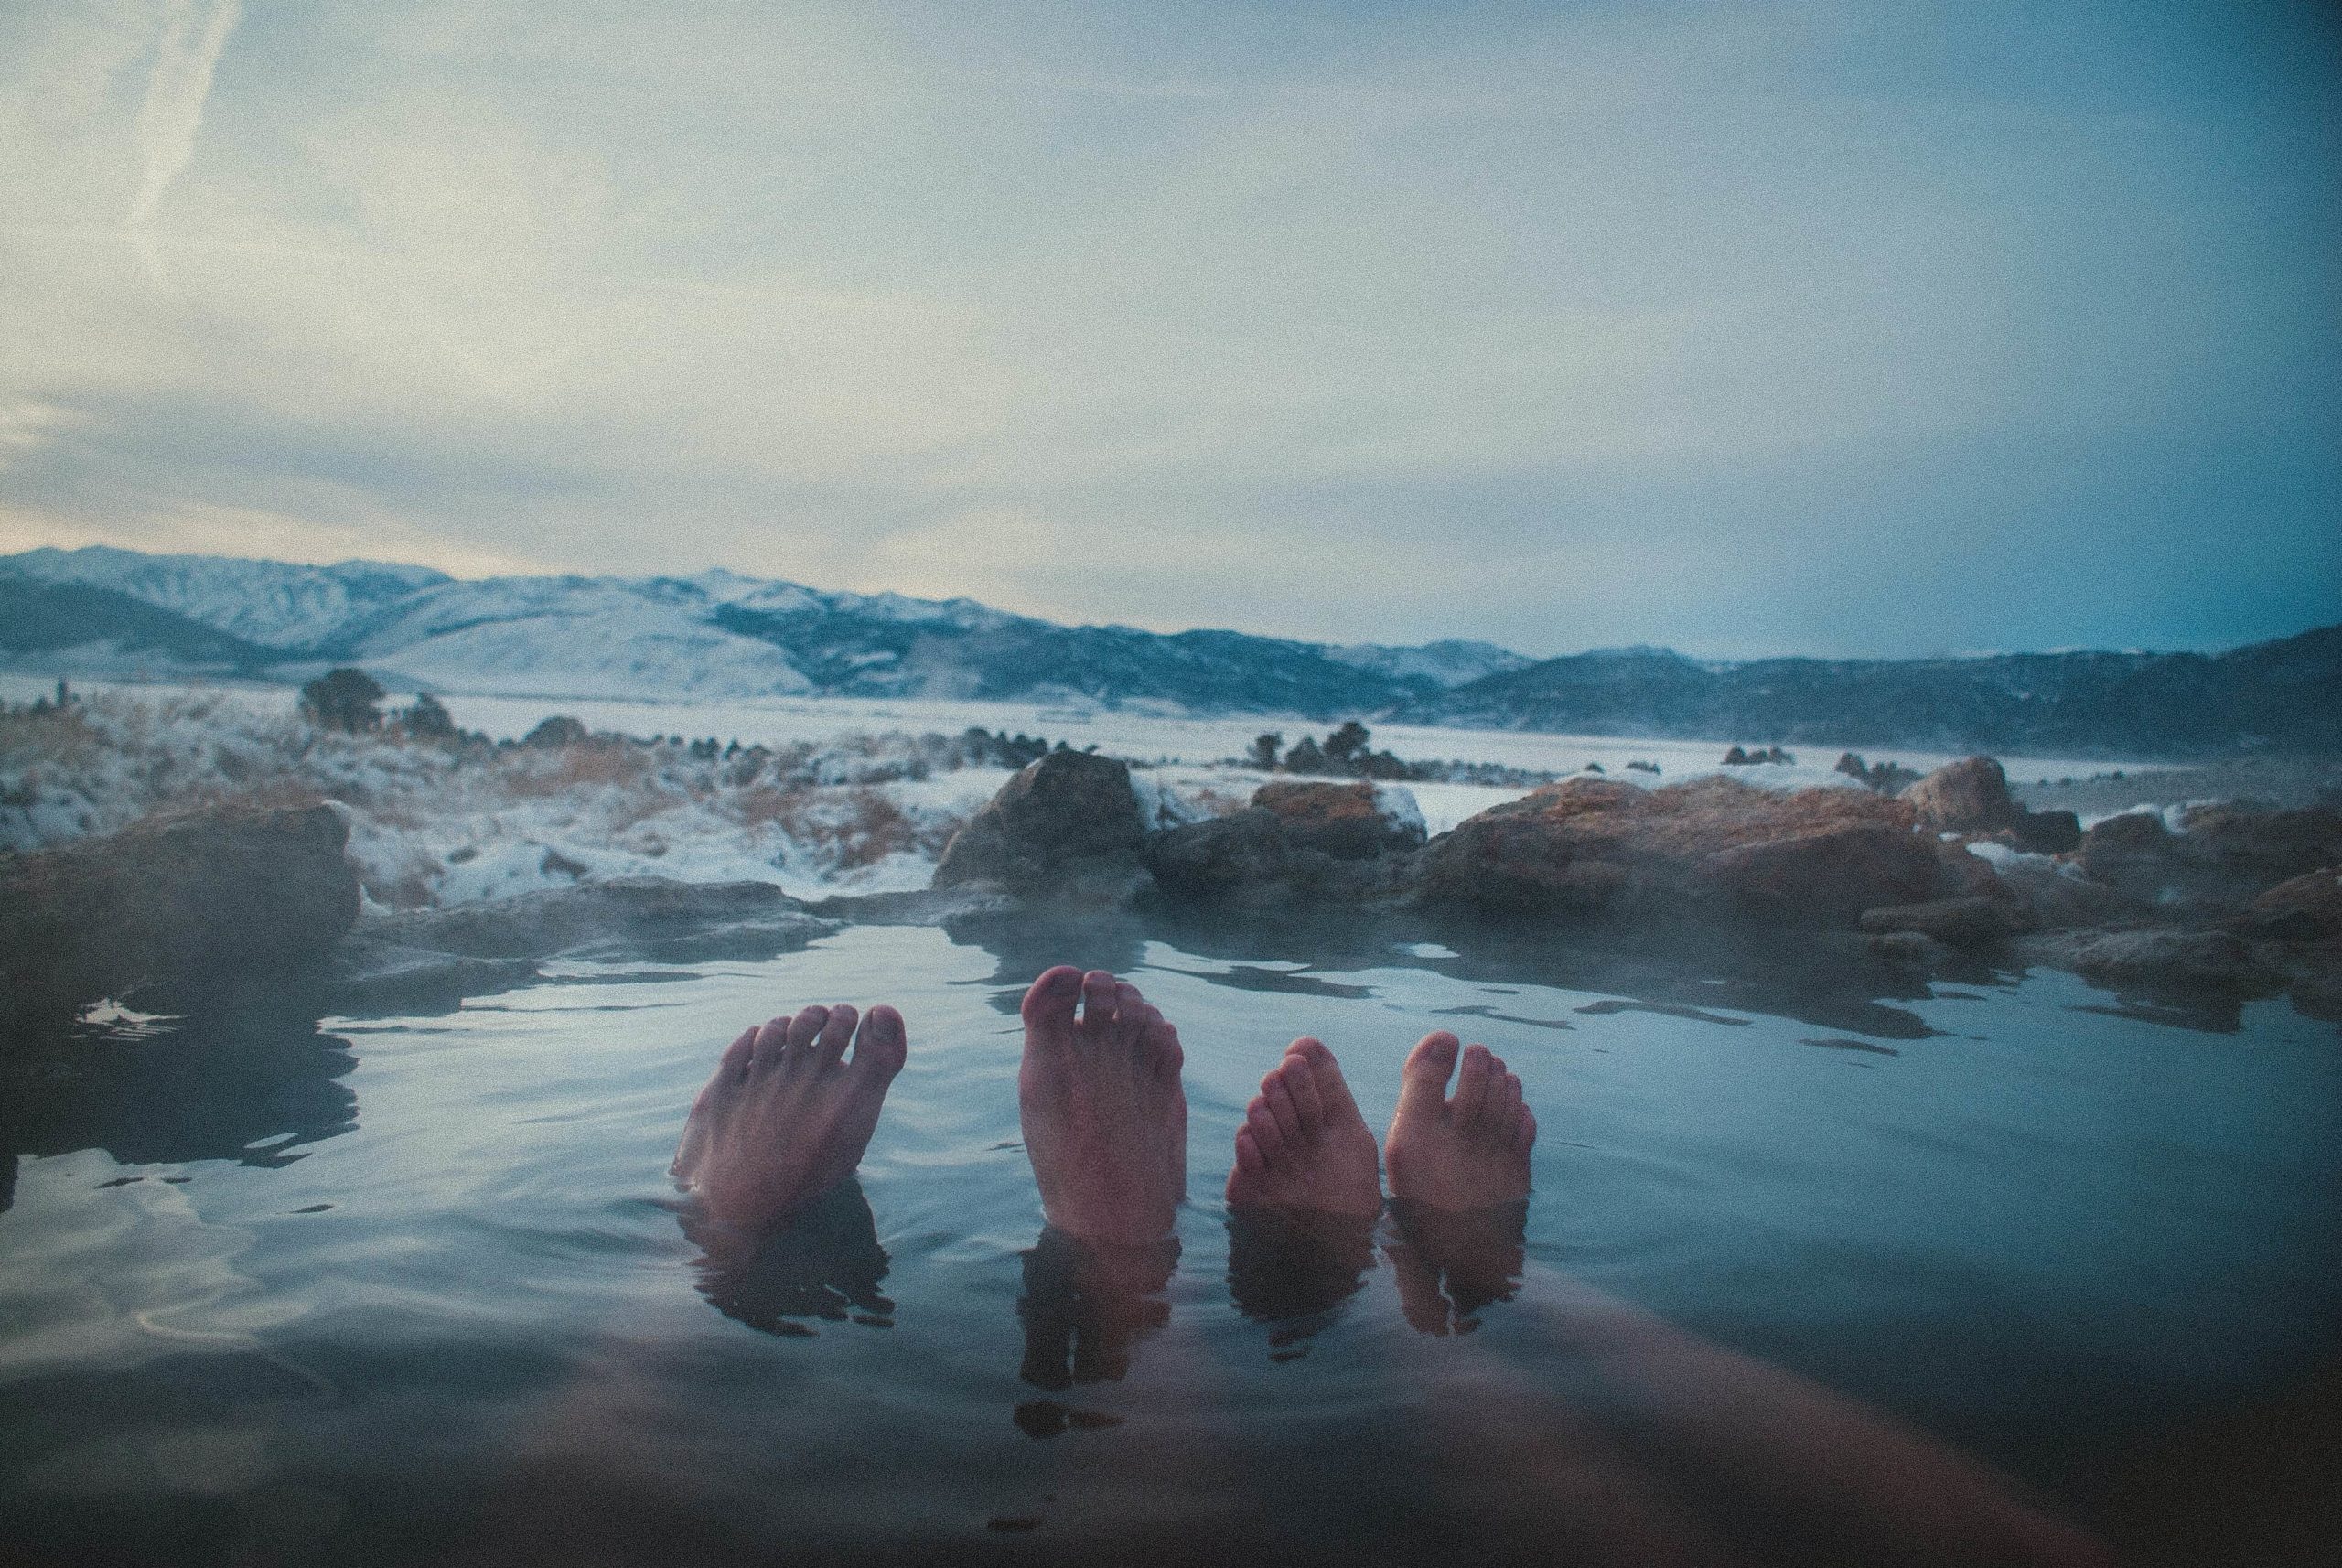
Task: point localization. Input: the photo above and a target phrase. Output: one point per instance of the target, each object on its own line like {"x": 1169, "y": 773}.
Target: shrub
{"x": 343, "y": 699}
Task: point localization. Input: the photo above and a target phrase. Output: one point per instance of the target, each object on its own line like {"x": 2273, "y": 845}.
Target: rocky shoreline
{"x": 1952, "y": 873}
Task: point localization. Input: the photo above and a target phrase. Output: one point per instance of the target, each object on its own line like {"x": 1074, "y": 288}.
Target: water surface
{"x": 416, "y": 1289}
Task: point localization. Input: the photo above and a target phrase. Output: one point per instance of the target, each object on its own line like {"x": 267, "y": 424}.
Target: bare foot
{"x": 1304, "y": 1145}
{"x": 1468, "y": 1151}
{"x": 1106, "y": 1120}
{"x": 786, "y": 1116}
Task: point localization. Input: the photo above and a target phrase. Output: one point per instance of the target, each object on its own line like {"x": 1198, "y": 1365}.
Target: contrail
{"x": 176, "y": 92}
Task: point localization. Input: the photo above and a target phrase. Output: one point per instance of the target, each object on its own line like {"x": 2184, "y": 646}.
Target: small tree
{"x": 344, "y": 700}
{"x": 559, "y": 731}
{"x": 1264, "y": 751}
{"x": 1304, "y": 757}
{"x": 428, "y": 719}
{"x": 1347, "y": 742}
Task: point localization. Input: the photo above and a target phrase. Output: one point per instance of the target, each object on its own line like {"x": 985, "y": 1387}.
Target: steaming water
{"x": 413, "y": 1289}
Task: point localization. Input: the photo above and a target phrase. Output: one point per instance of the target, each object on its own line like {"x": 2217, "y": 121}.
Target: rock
{"x": 366, "y": 975}
{"x": 2227, "y": 856}
{"x": 2305, "y": 908}
{"x": 640, "y": 917}
{"x": 2163, "y": 955}
{"x": 1973, "y": 923}
{"x": 1971, "y": 796}
{"x": 1712, "y": 845}
{"x": 1916, "y": 949}
{"x": 2052, "y": 897}
{"x": 1827, "y": 874}
{"x": 188, "y": 900}
{"x": 2044, "y": 832}
{"x": 1216, "y": 857}
{"x": 1349, "y": 822}
{"x": 1066, "y": 824}
{"x": 2259, "y": 848}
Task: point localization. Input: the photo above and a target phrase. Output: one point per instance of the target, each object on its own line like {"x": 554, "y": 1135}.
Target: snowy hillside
{"x": 712, "y": 635}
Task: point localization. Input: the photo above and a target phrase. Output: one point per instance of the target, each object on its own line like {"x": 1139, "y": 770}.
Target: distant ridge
{"x": 719, "y": 634}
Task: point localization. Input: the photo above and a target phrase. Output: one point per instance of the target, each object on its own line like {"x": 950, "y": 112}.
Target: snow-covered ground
{"x": 845, "y": 794}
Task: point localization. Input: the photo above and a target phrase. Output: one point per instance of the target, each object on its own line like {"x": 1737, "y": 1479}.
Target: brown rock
{"x": 1345, "y": 821}
{"x": 1971, "y": 796}
{"x": 2228, "y": 856}
{"x": 1709, "y": 845}
{"x": 1067, "y": 822}
{"x": 1955, "y": 922}
{"x": 187, "y": 900}
{"x": 2305, "y": 908}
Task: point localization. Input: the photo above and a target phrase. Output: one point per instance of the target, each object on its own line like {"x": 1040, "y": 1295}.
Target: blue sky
{"x": 1794, "y": 327}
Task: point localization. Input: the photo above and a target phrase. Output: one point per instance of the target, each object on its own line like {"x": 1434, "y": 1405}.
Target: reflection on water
{"x": 273, "y": 1288}
{"x": 825, "y": 1265}
{"x": 251, "y": 1086}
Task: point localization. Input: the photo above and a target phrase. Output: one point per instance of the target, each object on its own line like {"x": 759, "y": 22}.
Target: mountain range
{"x": 102, "y": 611}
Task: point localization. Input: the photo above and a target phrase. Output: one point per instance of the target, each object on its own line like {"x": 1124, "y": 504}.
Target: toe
{"x": 772, "y": 1044}
{"x": 1263, "y": 1125}
{"x": 1163, "y": 1052}
{"x": 1524, "y": 1133}
{"x": 1248, "y": 1153}
{"x": 1130, "y": 1012}
{"x": 883, "y": 1044}
{"x": 1479, "y": 1070}
{"x": 1301, "y": 1083}
{"x": 1278, "y": 1095}
{"x": 737, "y": 1057}
{"x": 1048, "y": 1008}
{"x": 1325, "y": 1073}
{"x": 1422, "y": 1082}
{"x": 1097, "y": 1000}
{"x": 829, "y": 1046}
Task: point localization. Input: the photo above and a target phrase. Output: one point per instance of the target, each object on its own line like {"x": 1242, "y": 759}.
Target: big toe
{"x": 1325, "y": 1073}
{"x": 882, "y": 1044}
{"x": 1423, "y": 1082}
{"x": 1048, "y": 1007}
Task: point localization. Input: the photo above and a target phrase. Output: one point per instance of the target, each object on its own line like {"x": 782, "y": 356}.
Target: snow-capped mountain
{"x": 715, "y": 634}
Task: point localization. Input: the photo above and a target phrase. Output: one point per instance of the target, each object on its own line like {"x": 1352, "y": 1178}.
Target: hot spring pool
{"x": 415, "y": 1289}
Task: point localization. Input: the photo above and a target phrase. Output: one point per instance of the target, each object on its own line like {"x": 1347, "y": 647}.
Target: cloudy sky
{"x": 1747, "y": 328}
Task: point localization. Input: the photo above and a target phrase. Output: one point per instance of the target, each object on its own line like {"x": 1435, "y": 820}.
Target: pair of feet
{"x": 789, "y": 1112}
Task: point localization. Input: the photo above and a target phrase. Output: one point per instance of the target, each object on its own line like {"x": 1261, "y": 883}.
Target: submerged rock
{"x": 184, "y": 902}
{"x": 1067, "y": 824}
{"x": 1970, "y": 922}
{"x": 641, "y": 917}
{"x": 2165, "y": 955}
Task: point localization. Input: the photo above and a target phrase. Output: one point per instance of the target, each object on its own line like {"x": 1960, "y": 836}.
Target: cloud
{"x": 172, "y": 111}
{"x": 1559, "y": 325}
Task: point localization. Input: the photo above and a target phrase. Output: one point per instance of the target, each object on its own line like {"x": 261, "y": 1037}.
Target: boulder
{"x": 1915, "y": 949}
{"x": 1971, "y": 796}
{"x": 1349, "y": 822}
{"x": 183, "y": 902}
{"x": 2306, "y": 908}
{"x": 2044, "y": 832}
{"x": 1711, "y": 845}
{"x": 625, "y": 917}
{"x": 1970, "y": 922}
{"x": 2226, "y": 856}
{"x": 1220, "y": 855}
{"x": 1068, "y": 822}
